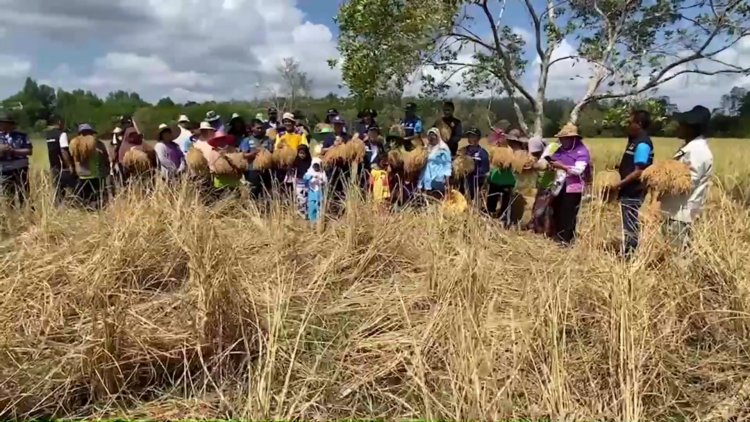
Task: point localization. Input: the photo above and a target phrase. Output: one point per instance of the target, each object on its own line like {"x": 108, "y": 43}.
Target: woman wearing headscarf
{"x": 572, "y": 163}
{"x": 298, "y": 171}
{"x": 315, "y": 181}
{"x": 434, "y": 178}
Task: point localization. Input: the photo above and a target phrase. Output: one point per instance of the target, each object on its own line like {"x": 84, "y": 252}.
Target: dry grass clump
{"x": 415, "y": 160}
{"x": 82, "y": 148}
{"x": 263, "y": 160}
{"x": 284, "y": 156}
{"x": 670, "y": 177}
{"x": 197, "y": 163}
{"x": 137, "y": 161}
{"x": 463, "y": 166}
{"x": 160, "y": 307}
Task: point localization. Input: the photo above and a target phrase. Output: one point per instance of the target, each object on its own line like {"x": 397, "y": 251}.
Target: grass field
{"x": 161, "y": 308}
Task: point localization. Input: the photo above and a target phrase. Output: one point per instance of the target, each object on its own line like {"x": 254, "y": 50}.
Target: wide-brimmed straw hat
{"x": 222, "y": 141}
{"x": 183, "y": 119}
{"x": 206, "y": 126}
{"x": 568, "y": 131}
{"x": 517, "y": 136}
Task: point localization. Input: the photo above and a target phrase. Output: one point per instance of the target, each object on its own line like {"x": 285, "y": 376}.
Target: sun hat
{"x": 260, "y": 117}
{"x": 235, "y": 116}
{"x": 474, "y": 131}
{"x": 568, "y": 131}
{"x": 163, "y": 127}
{"x": 211, "y": 116}
{"x": 206, "y": 126}
{"x": 288, "y": 116}
{"x": 337, "y": 120}
{"x": 698, "y": 116}
{"x": 85, "y": 127}
{"x": 222, "y": 141}
{"x": 117, "y": 130}
{"x": 332, "y": 112}
{"x": 516, "y": 135}
{"x": 537, "y": 144}
{"x": 183, "y": 119}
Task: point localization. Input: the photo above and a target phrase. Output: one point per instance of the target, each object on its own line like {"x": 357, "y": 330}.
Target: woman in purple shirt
{"x": 169, "y": 157}
{"x": 572, "y": 162}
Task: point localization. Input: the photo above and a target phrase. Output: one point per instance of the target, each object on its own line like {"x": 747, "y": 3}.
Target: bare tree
{"x": 296, "y": 82}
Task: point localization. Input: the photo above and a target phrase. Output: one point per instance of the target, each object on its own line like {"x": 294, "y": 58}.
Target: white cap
{"x": 117, "y": 131}
{"x": 235, "y": 116}
{"x": 287, "y": 116}
{"x": 163, "y": 127}
{"x": 206, "y": 126}
{"x": 183, "y": 119}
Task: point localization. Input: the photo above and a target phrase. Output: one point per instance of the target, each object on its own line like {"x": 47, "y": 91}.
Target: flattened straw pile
{"x": 669, "y": 177}
{"x": 284, "y": 157}
{"x": 82, "y": 148}
{"x": 197, "y": 163}
{"x": 415, "y": 160}
{"x": 263, "y": 160}
{"x": 463, "y": 166}
{"x": 136, "y": 161}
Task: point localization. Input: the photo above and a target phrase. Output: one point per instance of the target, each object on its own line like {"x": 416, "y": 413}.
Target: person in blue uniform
{"x": 411, "y": 123}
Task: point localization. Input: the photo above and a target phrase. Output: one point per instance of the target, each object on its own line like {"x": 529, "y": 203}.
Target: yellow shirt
{"x": 380, "y": 189}
{"x": 292, "y": 140}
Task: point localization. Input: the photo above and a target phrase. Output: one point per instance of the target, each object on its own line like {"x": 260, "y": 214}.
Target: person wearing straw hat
{"x": 185, "y": 138}
{"x": 215, "y": 121}
{"x": 451, "y": 122}
{"x": 516, "y": 140}
{"x": 15, "y": 150}
{"x": 169, "y": 158}
{"x": 572, "y": 162}
{"x": 291, "y": 138}
{"x": 681, "y": 211}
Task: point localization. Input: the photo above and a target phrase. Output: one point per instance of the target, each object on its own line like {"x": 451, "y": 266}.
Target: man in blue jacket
{"x": 411, "y": 123}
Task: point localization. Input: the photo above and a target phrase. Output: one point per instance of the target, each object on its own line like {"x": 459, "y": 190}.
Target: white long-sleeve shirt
{"x": 698, "y": 157}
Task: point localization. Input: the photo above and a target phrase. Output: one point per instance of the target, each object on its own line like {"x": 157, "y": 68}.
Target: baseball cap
{"x": 85, "y": 127}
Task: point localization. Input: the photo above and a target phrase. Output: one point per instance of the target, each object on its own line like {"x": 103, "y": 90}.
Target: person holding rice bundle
{"x": 435, "y": 176}
{"x": 502, "y": 181}
{"x": 411, "y": 123}
{"x": 571, "y": 162}
{"x": 91, "y": 166}
{"x": 144, "y": 156}
{"x": 475, "y": 180}
{"x": 315, "y": 180}
{"x": 541, "y": 212}
{"x": 170, "y": 161}
{"x": 682, "y": 210}
{"x": 290, "y": 137}
{"x": 261, "y": 180}
{"x": 225, "y": 175}
{"x": 453, "y": 126}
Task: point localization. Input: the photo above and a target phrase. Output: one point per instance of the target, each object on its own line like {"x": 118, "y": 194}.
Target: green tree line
{"x": 35, "y": 104}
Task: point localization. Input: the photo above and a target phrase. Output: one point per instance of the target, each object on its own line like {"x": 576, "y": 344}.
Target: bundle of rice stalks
{"x": 356, "y": 150}
{"x": 272, "y": 133}
{"x": 336, "y": 155}
{"x": 445, "y": 130}
{"x": 232, "y": 164}
{"x": 668, "y": 177}
{"x": 502, "y": 157}
{"x": 455, "y": 203}
{"x": 263, "y": 160}
{"x": 284, "y": 157}
{"x": 136, "y": 161}
{"x": 522, "y": 161}
{"x": 415, "y": 160}
{"x": 605, "y": 183}
{"x": 463, "y": 166}
{"x": 197, "y": 163}
{"x": 82, "y": 148}
{"x": 395, "y": 159}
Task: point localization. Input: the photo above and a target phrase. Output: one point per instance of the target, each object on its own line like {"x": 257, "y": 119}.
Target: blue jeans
{"x": 631, "y": 225}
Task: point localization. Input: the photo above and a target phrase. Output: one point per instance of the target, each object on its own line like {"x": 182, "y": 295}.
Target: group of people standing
{"x": 563, "y": 167}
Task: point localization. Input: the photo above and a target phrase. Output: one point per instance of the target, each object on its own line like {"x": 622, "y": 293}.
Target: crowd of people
{"x": 563, "y": 166}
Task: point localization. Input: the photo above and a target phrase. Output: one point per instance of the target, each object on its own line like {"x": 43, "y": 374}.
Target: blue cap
{"x": 85, "y": 128}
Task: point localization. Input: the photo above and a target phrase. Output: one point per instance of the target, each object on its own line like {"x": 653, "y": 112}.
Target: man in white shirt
{"x": 185, "y": 139}
{"x": 681, "y": 211}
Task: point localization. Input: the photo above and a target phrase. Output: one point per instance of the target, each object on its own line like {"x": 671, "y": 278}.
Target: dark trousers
{"x": 89, "y": 192}
{"x": 62, "y": 180}
{"x": 261, "y": 183}
{"x": 565, "y": 208}
{"x": 472, "y": 187}
{"x": 502, "y": 195}
{"x": 15, "y": 184}
{"x": 453, "y": 146}
{"x": 631, "y": 225}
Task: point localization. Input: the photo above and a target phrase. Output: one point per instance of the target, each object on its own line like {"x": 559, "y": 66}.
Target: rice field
{"x": 161, "y": 308}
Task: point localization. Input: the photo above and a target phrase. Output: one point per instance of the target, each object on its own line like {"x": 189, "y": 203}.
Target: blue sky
{"x": 212, "y": 49}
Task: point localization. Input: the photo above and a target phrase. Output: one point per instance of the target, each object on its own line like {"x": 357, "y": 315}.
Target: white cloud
{"x": 13, "y": 67}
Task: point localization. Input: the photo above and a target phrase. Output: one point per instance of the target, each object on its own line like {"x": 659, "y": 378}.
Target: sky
{"x": 198, "y": 50}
